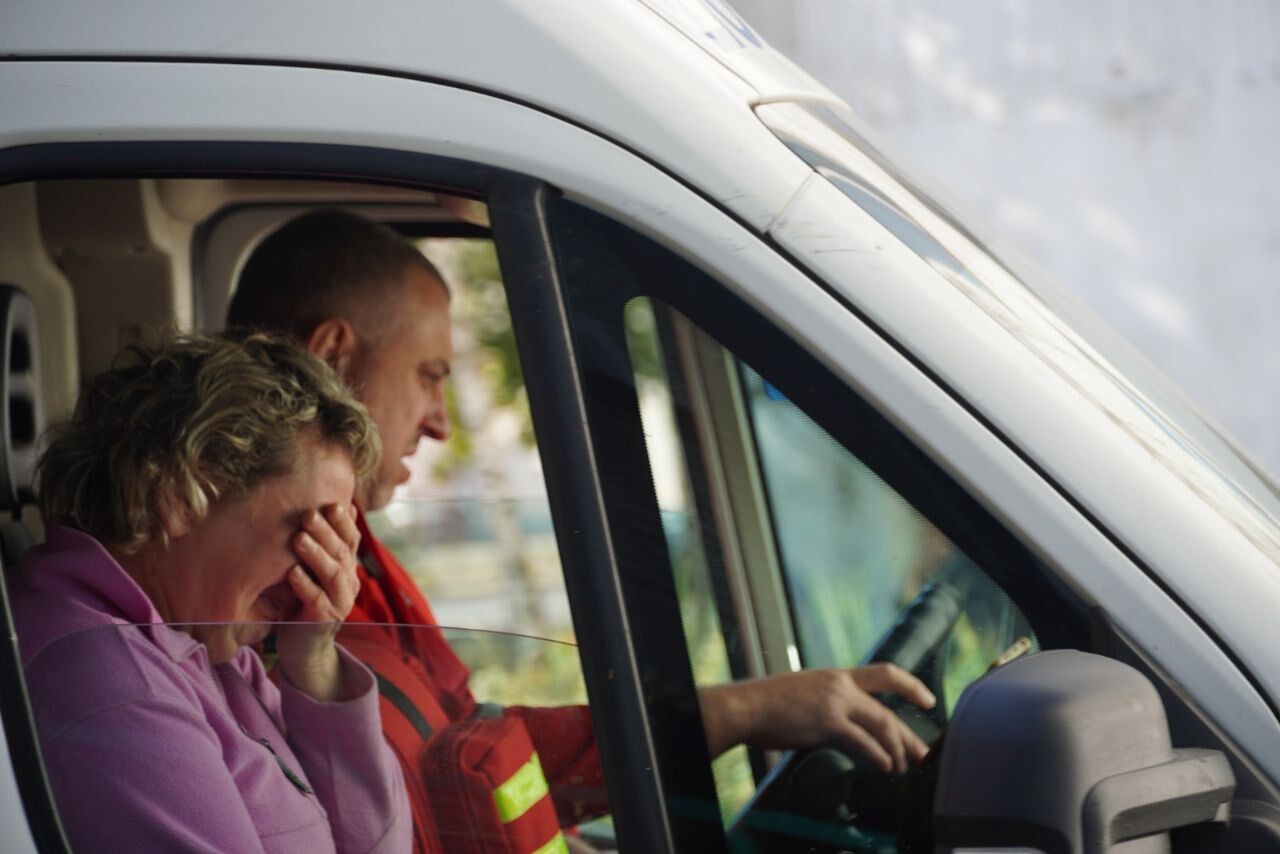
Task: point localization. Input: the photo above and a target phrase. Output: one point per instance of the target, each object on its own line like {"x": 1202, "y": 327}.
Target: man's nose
{"x": 435, "y": 424}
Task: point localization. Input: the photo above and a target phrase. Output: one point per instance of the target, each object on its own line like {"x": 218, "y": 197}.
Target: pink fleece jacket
{"x": 150, "y": 748}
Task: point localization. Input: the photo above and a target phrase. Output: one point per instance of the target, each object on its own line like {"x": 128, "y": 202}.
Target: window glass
{"x": 472, "y": 526}
{"x": 855, "y": 553}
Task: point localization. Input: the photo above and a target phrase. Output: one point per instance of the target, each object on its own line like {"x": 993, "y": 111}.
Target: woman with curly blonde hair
{"x": 201, "y": 491}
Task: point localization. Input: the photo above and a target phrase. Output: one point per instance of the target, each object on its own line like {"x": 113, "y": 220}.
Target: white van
{"x": 788, "y": 408}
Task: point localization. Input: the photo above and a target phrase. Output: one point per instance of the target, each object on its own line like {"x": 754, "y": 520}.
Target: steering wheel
{"x": 821, "y": 798}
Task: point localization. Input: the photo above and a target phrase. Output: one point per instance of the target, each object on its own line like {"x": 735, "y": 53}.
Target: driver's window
{"x": 865, "y": 574}
{"x": 855, "y": 554}
{"x": 472, "y": 526}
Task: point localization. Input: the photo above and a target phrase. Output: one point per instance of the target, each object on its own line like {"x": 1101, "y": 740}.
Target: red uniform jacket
{"x": 426, "y": 700}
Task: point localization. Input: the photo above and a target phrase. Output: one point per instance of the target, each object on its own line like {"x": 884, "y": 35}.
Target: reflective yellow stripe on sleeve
{"x": 557, "y": 845}
{"x": 521, "y": 791}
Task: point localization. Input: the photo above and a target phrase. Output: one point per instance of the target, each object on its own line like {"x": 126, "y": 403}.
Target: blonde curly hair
{"x": 173, "y": 427}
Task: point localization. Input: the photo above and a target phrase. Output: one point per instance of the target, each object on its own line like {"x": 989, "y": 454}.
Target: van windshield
{"x": 1052, "y": 323}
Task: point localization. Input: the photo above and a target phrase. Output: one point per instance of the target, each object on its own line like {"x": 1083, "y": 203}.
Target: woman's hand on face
{"x": 325, "y": 580}
{"x": 326, "y": 583}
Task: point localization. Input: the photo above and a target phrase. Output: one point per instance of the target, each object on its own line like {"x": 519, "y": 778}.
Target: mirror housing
{"x": 1066, "y": 752}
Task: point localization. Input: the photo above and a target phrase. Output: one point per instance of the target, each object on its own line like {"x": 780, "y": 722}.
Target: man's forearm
{"x": 725, "y": 717}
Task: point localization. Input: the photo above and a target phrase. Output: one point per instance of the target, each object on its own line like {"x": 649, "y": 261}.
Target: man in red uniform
{"x": 375, "y": 309}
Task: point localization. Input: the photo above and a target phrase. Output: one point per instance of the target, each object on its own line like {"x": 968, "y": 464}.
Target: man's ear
{"x": 334, "y": 341}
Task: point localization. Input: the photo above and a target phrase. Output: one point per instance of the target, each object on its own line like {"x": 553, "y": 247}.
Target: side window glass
{"x": 472, "y": 526}
{"x": 855, "y": 553}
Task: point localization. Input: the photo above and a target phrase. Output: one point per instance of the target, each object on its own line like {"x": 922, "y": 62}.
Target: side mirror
{"x": 1066, "y": 752}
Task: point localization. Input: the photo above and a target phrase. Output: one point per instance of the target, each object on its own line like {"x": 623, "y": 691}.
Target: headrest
{"x": 21, "y": 416}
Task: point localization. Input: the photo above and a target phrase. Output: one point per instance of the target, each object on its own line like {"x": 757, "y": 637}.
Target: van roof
{"x": 639, "y": 71}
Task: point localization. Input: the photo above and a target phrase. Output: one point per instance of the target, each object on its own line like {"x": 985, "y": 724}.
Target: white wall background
{"x": 1130, "y": 148}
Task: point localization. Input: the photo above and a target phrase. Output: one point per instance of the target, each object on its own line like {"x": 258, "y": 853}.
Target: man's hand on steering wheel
{"x": 813, "y": 707}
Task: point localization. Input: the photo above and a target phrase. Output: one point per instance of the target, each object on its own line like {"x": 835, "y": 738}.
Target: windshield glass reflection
{"x": 1049, "y": 321}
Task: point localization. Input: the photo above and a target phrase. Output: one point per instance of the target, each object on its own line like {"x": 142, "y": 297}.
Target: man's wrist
{"x": 725, "y": 717}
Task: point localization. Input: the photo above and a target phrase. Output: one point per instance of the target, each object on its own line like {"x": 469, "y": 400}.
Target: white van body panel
{"x": 611, "y": 65}
{"x": 80, "y": 102}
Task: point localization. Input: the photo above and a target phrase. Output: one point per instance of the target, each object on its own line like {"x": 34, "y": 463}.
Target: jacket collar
{"x": 75, "y": 565}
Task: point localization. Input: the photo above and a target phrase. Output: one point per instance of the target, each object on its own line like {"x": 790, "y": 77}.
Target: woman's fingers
{"x": 334, "y": 534}
{"x": 326, "y": 583}
{"x": 334, "y": 528}
{"x": 327, "y": 546}
{"x": 310, "y": 593}
{"x": 335, "y": 587}
{"x": 342, "y": 519}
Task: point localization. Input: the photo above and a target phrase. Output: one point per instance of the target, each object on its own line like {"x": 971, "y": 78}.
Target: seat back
{"x": 21, "y": 417}
{"x": 21, "y": 425}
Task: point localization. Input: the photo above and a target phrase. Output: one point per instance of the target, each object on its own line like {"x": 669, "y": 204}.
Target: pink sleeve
{"x": 147, "y": 776}
{"x": 350, "y": 764}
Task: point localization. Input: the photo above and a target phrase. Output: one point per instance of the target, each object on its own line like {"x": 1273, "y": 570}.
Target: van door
{"x": 751, "y": 493}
